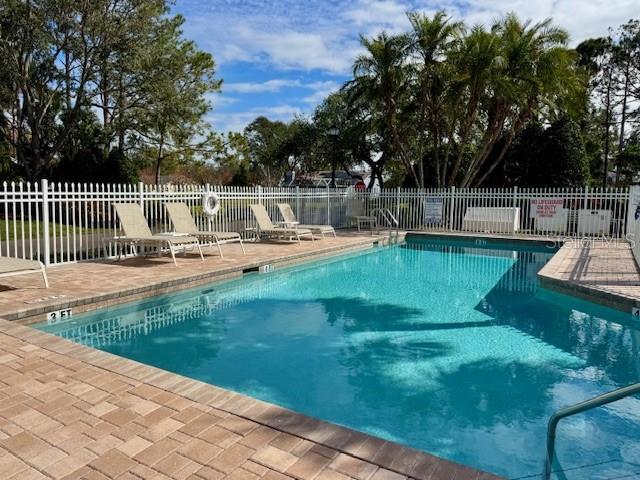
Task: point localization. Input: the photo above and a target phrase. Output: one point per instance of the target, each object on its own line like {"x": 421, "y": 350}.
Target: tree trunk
{"x": 492, "y": 134}
{"x": 472, "y": 112}
{"x": 623, "y": 116}
{"x": 159, "y": 158}
{"x": 374, "y": 173}
{"x": 122, "y": 107}
{"x": 380, "y": 179}
{"x": 607, "y": 121}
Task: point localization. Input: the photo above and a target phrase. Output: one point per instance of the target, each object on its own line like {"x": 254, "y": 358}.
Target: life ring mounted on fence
{"x": 210, "y": 204}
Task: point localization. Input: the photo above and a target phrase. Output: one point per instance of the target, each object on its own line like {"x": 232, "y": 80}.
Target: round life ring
{"x": 210, "y": 204}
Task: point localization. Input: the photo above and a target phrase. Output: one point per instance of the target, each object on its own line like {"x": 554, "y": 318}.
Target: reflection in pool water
{"x": 449, "y": 349}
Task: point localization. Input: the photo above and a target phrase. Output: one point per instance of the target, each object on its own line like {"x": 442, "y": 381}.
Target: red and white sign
{"x": 545, "y": 207}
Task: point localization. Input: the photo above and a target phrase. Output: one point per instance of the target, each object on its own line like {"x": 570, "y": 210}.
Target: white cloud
{"x": 257, "y": 87}
{"x": 236, "y": 121}
{"x": 320, "y": 39}
{"x": 582, "y": 19}
{"x": 321, "y": 90}
{"x": 220, "y": 100}
{"x": 375, "y": 16}
{"x": 289, "y": 34}
{"x": 297, "y": 50}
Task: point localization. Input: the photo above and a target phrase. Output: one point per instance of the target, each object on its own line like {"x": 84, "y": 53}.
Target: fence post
{"x": 259, "y": 188}
{"x": 207, "y": 189}
{"x": 632, "y": 228}
{"x": 514, "y": 205}
{"x": 328, "y": 205}
{"x": 44, "y": 186}
{"x": 452, "y": 207}
{"x": 631, "y": 209}
{"x": 141, "y": 195}
{"x": 398, "y": 205}
{"x": 298, "y": 212}
{"x": 584, "y": 207}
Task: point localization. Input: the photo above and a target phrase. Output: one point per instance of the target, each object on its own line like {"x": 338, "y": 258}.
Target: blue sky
{"x": 280, "y": 58}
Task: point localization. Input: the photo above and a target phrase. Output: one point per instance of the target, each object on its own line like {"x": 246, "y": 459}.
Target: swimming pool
{"x": 441, "y": 346}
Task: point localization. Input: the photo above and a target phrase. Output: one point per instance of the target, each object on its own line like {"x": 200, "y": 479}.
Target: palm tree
{"x": 380, "y": 82}
{"x": 476, "y": 62}
{"x": 432, "y": 39}
{"x": 538, "y": 71}
{"x": 461, "y": 96}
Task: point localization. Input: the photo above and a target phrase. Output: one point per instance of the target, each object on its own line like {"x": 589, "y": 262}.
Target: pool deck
{"x": 71, "y": 412}
{"x": 601, "y": 272}
{"x": 68, "y": 411}
{"x": 95, "y": 284}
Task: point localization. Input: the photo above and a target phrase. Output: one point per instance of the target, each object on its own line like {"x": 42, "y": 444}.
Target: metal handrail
{"x": 594, "y": 402}
{"x": 389, "y": 218}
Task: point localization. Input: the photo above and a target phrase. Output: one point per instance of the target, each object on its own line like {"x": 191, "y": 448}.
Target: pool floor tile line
{"x": 68, "y": 411}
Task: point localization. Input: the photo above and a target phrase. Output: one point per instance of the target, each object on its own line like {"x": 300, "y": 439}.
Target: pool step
{"x": 392, "y": 238}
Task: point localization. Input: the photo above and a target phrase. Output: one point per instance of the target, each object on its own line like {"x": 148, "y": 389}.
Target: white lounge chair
{"x": 267, "y": 229}
{"x": 137, "y": 232}
{"x": 290, "y": 220}
{"x": 357, "y": 212}
{"x": 10, "y": 266}
{"x": 183, "y": 222}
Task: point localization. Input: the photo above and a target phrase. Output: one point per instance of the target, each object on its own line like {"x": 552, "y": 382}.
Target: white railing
{"x": 69, "y": 222}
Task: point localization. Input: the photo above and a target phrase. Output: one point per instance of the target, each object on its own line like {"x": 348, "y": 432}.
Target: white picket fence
{"x": 69, "y": 222}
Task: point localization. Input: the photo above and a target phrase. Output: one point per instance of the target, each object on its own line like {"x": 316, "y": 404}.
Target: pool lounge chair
{"x": 290, "y": 220}
{"x": 183, "y": 222}
{"x": 356, "y": 211}
{"x": 267, "y": 229}
{"x": 10, "y": 266}
{"x": 137, "y": 232}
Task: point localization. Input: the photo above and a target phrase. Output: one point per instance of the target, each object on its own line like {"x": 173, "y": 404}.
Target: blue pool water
{"x": 449, "y": 349}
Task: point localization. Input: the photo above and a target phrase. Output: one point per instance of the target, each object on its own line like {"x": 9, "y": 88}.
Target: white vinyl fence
{"x": 69, "y": 222}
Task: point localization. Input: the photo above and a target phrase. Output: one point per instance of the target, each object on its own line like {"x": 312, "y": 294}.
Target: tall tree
{"x": 432, "y": 39}
{"x": 51, "y": 48}
{"x": 545, "y": 157}
{"x": 267, "y": 141}
{"x": 537, "y": 74}
{"x": 171, "y": 117}
{"x": 122, "y": 59}
{"x": 450, "y": 96}
{"x": 380, "y": 81}
{"x": 627, "y": 58}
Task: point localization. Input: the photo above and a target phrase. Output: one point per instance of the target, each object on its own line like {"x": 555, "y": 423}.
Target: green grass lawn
{"x": 24, "y": 226}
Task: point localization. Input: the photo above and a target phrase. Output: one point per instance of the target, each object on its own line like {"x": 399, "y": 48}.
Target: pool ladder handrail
{"x": 390, "y": 220}
{"x": 594, "y": 402}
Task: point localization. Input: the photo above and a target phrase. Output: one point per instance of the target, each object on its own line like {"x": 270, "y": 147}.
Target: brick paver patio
{"x": 104, "y": 283}
{"x": 597, "y": 271}
{"x": 70, "y": 412}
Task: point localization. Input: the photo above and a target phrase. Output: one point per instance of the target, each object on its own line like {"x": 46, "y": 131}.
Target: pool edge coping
{"x": 331, "y": 435}
{"x": 582, "y": 291}
{"x": 35, "y": 313}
